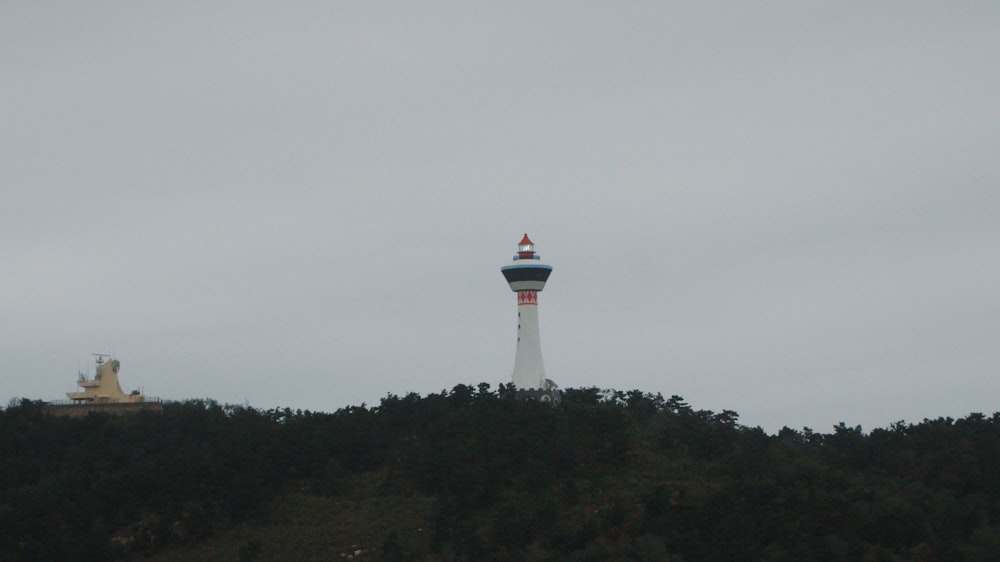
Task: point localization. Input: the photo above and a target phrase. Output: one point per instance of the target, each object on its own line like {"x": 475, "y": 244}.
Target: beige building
{"x": 104, "y": 388}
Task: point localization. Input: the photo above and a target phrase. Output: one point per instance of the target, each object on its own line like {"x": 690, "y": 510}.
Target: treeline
{"x": 601, "y": 475}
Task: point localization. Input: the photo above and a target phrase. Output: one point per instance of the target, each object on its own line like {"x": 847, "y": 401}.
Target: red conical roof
{"x": 525, "y": 240}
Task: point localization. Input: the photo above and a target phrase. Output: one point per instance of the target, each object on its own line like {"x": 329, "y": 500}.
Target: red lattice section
{"x": 527, "y": 297}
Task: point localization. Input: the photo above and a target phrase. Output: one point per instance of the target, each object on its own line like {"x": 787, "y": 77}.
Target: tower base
{"x": 550, "y": 393}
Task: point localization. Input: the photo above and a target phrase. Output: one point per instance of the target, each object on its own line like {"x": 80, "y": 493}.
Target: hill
{"x": 478, "y": 474}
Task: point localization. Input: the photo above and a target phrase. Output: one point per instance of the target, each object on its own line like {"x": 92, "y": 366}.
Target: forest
{"x": 477, "y": 473}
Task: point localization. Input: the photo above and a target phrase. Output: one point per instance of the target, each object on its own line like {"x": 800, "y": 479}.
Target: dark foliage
{"x": 601, "y": 475}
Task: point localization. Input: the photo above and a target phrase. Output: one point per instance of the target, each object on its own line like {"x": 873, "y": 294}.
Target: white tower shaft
{"x": 529, "y": 371}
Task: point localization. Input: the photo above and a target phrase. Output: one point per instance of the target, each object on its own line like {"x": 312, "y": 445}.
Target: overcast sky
{"x": 786, "y": 209}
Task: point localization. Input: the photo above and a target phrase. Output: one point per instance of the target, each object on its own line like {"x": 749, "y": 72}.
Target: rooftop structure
{"x": 104, "y": 387}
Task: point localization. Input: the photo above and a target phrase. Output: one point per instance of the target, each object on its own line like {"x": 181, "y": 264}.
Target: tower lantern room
{"x": 525, "y": 248}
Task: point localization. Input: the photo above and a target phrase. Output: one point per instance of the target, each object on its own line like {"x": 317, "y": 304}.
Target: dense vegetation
{"x": 476, "y": 474}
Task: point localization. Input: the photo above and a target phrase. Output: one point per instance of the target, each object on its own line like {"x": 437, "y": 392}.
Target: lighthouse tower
{"x": 527, "y": 277}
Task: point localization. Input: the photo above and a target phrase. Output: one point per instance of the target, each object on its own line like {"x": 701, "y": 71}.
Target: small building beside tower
{"x": 103, "y": 393}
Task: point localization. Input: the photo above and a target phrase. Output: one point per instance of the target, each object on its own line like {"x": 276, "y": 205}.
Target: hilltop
{"x": 478, "y": 474}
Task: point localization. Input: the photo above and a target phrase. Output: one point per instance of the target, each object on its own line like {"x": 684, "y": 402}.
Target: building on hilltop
{"x": 527, "y": 277}
{"x": 104, "y": 387}
{"x": 103, "y": 393}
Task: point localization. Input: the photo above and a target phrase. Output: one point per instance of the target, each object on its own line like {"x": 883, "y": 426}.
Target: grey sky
{"x": 784, "y": 209}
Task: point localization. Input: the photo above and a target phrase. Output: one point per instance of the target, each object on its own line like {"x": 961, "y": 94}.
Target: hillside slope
{"x": 477, "y": 474}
